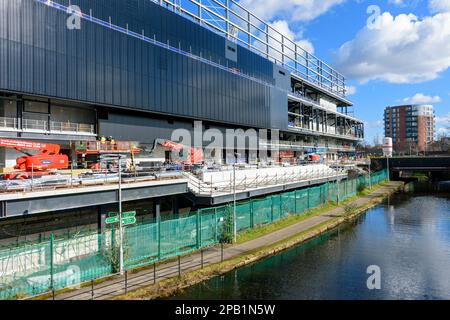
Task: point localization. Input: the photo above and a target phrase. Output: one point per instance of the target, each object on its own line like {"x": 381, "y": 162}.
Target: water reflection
{"x": 408, "y": 237}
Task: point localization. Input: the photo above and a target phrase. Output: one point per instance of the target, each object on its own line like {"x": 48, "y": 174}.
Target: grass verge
{"x": 296, "y": 218}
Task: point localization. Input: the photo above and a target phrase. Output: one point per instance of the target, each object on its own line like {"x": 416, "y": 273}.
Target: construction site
{"x": 88, "y": 157}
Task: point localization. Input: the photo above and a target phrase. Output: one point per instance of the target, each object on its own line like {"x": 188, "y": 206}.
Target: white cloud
{"x": 422, "y": 98}
{"x": 403, "y": 49}
{"x": 443, "y": 120}
{"x": 351, "y": 90}
{"x": 443, "y": 132}
{"x": 292, "y": 10}
{"x": 396, "y": 2}
{"x": 282, "y": 26}
{"x": 439, "y": 5}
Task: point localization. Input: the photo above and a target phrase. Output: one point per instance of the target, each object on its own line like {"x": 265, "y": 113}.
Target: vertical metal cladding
{"x": 39, "y": 55}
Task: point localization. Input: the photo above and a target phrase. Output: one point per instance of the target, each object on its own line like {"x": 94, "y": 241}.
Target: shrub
{"x": 361, "y": 187}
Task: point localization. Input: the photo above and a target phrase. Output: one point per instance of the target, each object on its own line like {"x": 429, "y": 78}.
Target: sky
{"x": 391, "y": 51}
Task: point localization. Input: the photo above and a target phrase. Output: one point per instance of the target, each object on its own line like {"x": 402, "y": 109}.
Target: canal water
{"x": 407, "y": 237}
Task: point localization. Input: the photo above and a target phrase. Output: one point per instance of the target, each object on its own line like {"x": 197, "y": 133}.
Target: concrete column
{"x": 102, "y": 214}
{"x": 19, "y": 110}
{"x": 175, "y": 207}
{"x": 157, "y": 207}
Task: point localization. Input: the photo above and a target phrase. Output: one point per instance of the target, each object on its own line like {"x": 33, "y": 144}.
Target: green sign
{"x": 112, "y": 218}
{"x": 128, "y": 221}
{"x": 130, "y": 214}
{"x": 127, "y": 218}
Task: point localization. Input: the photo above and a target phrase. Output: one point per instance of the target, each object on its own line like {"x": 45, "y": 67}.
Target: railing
{"x": 235, "y": 22}
{"x": 340, "y": 133}
{"x": 42, "y": 126}
{"x": 8, "y": 123}
{"x": 200, "y": 187}
{"x": 31, "y": 124}
{"x": 297, "y": 144}
{"x": 72, "y": 127}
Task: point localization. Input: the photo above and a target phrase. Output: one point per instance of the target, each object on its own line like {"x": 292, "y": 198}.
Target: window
{"x": 36, "y": 107}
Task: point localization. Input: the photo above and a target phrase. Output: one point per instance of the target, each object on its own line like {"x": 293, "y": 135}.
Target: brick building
{"x": 411, "y": 127}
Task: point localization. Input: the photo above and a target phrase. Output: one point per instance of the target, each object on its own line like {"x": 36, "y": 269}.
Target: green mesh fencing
{"x": 59, "y": 263}
{"x": 276, "y": 207}
{"x": 262, "y": 211}
{"x": 33, "y": 269}
{"x": 287, "y": 203}
{"x": 301, "y": 201}
{"x": 243, "y": 218}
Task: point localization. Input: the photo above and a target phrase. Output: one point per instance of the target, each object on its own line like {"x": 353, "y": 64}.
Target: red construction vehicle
{"x": 39, "y": 164}
{"x": 195, "y": 155}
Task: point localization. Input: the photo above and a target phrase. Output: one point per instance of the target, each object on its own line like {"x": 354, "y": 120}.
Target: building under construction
{"x": 108, "y": 79}
{"x": 137, "y": 70}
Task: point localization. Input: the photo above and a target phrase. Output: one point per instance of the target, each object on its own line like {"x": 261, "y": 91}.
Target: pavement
{"x": 120, "y": 285}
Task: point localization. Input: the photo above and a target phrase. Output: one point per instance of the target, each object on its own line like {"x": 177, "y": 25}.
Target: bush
{"x": 226, "y": 230}
{"x": 361, "y": 187}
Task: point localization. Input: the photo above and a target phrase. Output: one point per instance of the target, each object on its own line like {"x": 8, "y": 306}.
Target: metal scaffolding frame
{"x": 315, "y": 119}
{"x": 230, "y": 19}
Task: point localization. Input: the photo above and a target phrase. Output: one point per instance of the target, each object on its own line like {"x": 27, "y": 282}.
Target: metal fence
{"x": 35, "y": 268}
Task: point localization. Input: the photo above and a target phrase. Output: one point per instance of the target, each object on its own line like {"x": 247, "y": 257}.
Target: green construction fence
{"x": 34, "y": 268}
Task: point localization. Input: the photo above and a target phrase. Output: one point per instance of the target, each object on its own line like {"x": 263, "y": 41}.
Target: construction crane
{"x": 39, "y": 164}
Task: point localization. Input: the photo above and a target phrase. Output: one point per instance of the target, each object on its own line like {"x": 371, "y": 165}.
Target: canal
{"x": 407, "y": 237}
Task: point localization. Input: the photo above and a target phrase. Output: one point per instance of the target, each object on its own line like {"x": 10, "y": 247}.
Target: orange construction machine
{"x": 38, "y": 164}
{"x": 194, "y": 156}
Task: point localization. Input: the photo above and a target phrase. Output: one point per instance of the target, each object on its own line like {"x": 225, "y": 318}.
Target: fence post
{"x": 252, "y": 218}
{"x": 201, "y": 253}
{"x": 158, "y": 219}
{"x": 199, "y": 218}
{"x": 281, "y": 205}
{"x": 126, "y": 281}
{"x": 198, "y": 229}
{"x": 271, "y": 213}
{"x": 215, "y": 224}
{"x": 307, "y": 190}
{"x": 295, "y": 201}
{"x": 52, "y": 262}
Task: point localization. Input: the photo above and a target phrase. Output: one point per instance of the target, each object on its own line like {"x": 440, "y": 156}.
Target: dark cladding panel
{"x": 39, "y": 55}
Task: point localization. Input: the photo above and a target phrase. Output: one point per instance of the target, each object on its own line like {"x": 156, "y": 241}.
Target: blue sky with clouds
{"x": 404, "y": 56}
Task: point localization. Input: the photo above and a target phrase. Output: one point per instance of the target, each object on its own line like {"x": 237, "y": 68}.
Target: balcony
{"x": 43, "y": 126}
{"x": 301, "y": 146}
{"x": 336, "y": 133}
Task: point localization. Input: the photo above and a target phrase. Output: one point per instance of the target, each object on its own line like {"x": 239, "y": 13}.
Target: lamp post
{"x": 234, "y": 199}
{"x": 119, "y": 158}
{"x": 121, "y": 267}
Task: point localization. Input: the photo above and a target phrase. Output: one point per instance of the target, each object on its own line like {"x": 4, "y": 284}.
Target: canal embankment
{"x": 172, "y": 276}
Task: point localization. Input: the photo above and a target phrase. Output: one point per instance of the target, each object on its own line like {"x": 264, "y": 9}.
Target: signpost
{"x": 128, "y": 218}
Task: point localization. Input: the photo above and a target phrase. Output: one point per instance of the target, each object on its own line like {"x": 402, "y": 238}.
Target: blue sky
{"x": 405, "y": 58}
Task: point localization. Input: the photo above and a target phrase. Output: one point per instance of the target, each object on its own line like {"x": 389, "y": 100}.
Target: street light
{"x": 236, "y": 155}
{"x": 118, "y": 158}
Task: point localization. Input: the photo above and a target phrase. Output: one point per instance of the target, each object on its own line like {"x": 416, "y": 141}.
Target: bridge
{"x": 405, "y": 166}
{"x": 27, "y": 203}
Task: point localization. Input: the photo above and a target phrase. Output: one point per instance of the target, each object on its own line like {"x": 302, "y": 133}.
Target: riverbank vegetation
{"x": 294, "y": 218}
